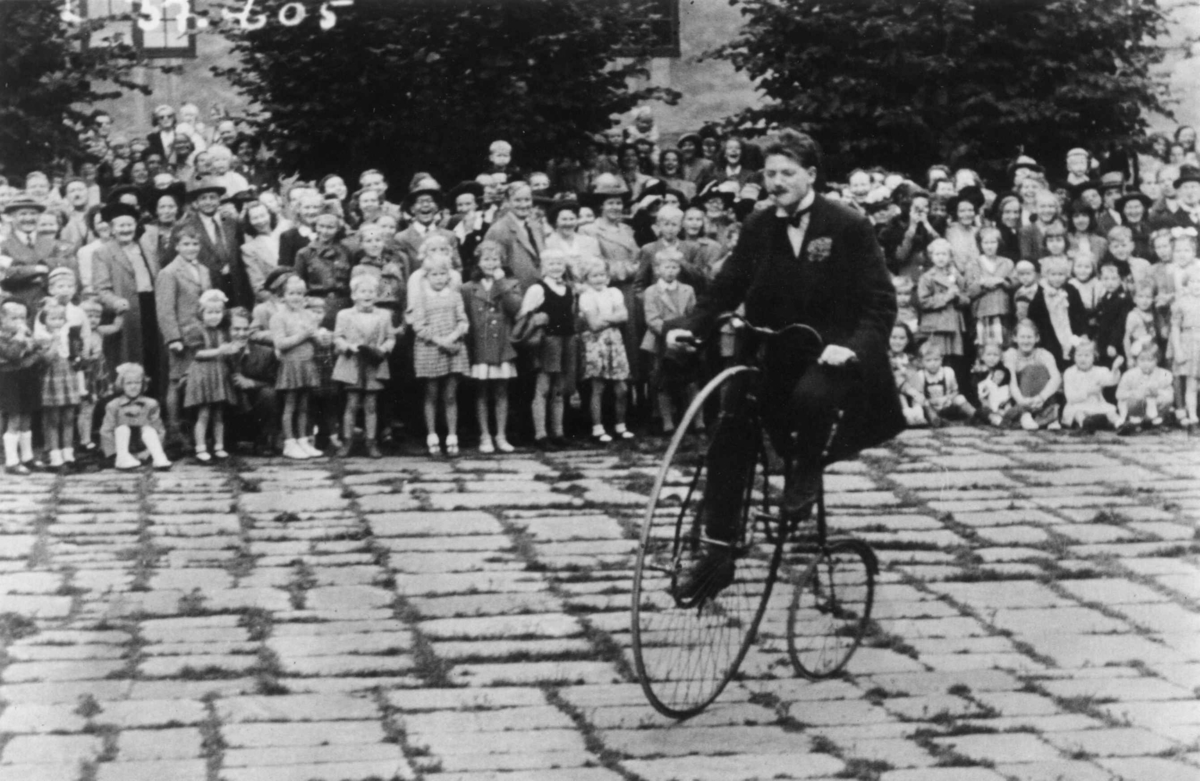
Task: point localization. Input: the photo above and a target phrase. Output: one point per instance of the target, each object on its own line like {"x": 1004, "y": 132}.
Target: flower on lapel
{"x": 819, "y": 249}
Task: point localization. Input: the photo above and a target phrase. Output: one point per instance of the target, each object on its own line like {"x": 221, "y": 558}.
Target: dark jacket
{"x": 491, "y": 314}
{"x": 1040, "y": 315}
{"x": 847, "y": 296}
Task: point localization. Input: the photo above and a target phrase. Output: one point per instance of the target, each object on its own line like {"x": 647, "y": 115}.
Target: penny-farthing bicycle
{"x": 687, "y": 650}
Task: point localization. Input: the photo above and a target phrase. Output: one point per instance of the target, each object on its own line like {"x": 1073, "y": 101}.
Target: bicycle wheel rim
{"x": 685, "y": 656}
{"x": 830, "y": 610}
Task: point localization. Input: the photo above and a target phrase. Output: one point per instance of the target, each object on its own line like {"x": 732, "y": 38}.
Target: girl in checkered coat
{"x": 60, "y": 383}
{"x": 439, "y": 320}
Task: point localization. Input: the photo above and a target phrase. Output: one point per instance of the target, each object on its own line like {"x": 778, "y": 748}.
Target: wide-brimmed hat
{"x": 1188, "y": 173}
{"x": 466, "y": 186}
{"x": 22, "y": 204}
{"x": 726, "y": 191}
{"x": 608, "y": 186}
{"x": 1113, "y": 180}
{"x": 205, "y": 186}
{"x": 241, "y": 198}
{"x": 1133, "y": 196}
{"x": 277, "y": 276}
{"x": 1026, "y": 162}
{"x": 176, "y": 190}
{"x": 971, "y": 194}
{"x": 428, "y": 187}
{"x": 684, "y": 201}
{"x": 115, "y": 209}
{"x": 693, "y": 137}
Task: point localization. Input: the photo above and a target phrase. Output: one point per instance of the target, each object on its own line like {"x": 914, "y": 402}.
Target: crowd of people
{"x": 172, "y": 293}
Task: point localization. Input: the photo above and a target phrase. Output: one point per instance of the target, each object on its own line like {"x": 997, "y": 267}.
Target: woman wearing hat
{"x": 124, "y": 279}
{"x": 1134, "y": 208}
{"x": 618, "y": 247}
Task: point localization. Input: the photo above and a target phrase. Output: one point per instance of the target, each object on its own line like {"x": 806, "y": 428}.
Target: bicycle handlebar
{"x": 742, "y": 323}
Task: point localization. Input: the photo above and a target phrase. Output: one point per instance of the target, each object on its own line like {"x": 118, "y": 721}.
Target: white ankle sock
{"x": 26, "y": 446}
{"x": 12, "y": 444}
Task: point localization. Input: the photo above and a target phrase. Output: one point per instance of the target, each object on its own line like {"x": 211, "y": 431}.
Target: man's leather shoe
{"x": 708, "y": 575}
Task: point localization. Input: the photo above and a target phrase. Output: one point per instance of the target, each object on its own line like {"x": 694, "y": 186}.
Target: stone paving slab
{"x": 1037, "y": 611}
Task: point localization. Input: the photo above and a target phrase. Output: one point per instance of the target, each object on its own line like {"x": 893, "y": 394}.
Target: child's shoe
{"x": 68, "y": 455}
{"x": 127, "y": 461}
{"x": 623, "y": 432}
{"x": 503, "y": 446}
{"x": 600, "y": 435}
{"x": 373, "y": 449}
{"x": 434, "y": 444}
{"x": 203, "y": 457}
{"x": 308, "y": 449}
{"x": 486, "y": 445}
{"x": 1027, "y": 422}
{"x": 16, "y": 469}
{"x": 344, "y": 450}
{"x": 292, "y": 450}
{"x": 1054, "y": 425}
{"x": 220, "y": 454}
{"x": 451, "y": 444}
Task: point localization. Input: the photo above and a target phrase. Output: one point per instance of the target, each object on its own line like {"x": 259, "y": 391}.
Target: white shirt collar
{"x": 805, "y": 203}
{"x": 668, "y": 286}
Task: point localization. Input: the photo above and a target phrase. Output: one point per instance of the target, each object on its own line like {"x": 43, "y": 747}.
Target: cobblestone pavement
{"x": 468, "y": 619}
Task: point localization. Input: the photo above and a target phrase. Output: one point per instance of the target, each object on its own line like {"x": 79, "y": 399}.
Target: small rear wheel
{"x": 687, "y": 651}
{"x": 831, "y": 608}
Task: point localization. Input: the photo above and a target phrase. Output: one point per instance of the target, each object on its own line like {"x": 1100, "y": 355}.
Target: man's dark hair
{"x": 796, "y": 145}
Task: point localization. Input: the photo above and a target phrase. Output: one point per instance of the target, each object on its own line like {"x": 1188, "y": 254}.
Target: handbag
{"x": 528, "y": 331}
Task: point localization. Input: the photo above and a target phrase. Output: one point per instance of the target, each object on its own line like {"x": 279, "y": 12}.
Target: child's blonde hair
{"x": 434, "y": 242}
{"x": 370, "y": 229}
{"x": 986, "y": 232}
{"x": 364, "y": 275}
{"x": 554, "y": 254}
{"x": 669, "y": 210}
{"x": 1055, "y": 263}
{"x": 211, "y": 297}
{"x": 930, "y": 349}
{"x": 1121, "y": 233}
{"x": 132, "y": 371}
{"x": 499, "y": 146}
{"x": 294, "y": 280}
{"x": 1085, "y": 343}
{"x": 939, "y": 244}
{"x": 668, "y": 255}
{"x": 90, "y": 305}
{"x": 591, "y": 266}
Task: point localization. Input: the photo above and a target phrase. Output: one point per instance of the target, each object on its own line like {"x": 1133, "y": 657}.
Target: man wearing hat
{"x": 1187, "y": 190}
{"x": 423, "y": 202}
{"x": 1022, "y": 168}
{"x": 161, "y": 140}
{"x": 804, "y": 260}
{"x": 32, "y": 255}
{"x": 1112, "y": 186}
{"x": 220, "y": 241}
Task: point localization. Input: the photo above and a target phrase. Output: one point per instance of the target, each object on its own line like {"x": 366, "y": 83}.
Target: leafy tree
{"x": 906, "y": 83}
{"x": 412, "y": 86}
{"x": 48, "y": 76}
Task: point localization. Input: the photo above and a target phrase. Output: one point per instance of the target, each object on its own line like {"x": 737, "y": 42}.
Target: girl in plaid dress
{"x": 439, "y": 320}
{"x": 209, "y": 385}
{"x": 606, "y": 361}
{"x": 60, "y": 384}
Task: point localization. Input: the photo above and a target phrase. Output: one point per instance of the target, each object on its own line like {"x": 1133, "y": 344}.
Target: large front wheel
{"x": 687, "y": 651}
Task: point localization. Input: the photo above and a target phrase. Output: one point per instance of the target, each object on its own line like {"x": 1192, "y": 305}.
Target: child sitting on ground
{"x": 1083, "y": 386}
{"x": 1144, "y": 394}
{"x": 939, "y": 387}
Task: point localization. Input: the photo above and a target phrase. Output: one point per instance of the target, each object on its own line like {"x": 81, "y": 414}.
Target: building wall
{"x": 712, "y": 89}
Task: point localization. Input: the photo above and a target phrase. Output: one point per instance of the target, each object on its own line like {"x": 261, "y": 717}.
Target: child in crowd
{"x": 1036, "y": 380}
{"x": 1026, "y": 289}
{"x": 906, "y": 310}
{"x": 97, "y": 383}
{"x": 1143, "y": 325}
{"x": 60, "y": 383}
{"x": 940, "y": 292}
{"x": 21, "y": 360}
{"x": 606, "y": 363}
{"x": 666, "y": 300}
{"x": 1120, "y": 249}
{"x": 1083, "y": 388}
{"x": 324, "y": 265}
{"x": 1083, "y": 279}
{"x": 988, "y": 279}
{"x": 271, "y": 301}
{"x": 900, "y": 354}
{"x": 294, "y": 332}
{"x": 550, "y": 303}
{"x": 324, "y": 400}
{"x": 708, "y": 250}
{"x": 1110, "y": 314}
{"x": 362, "y": 338}
{"x": 492, "y": 301}
{"x": 1145, "y": 394}
{"x": 1057, "y": 311}
{"x": 1185, "y": 340}
{"x": 439, "y": 320}
{"x": 208, "y": 388}
{"x": 993, "y": 384}
{"x": 129, "y": 413}
{"x": 939, "y": 387}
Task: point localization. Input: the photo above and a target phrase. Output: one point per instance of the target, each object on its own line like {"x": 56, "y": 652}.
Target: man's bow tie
{"x": 795, "y": 219}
